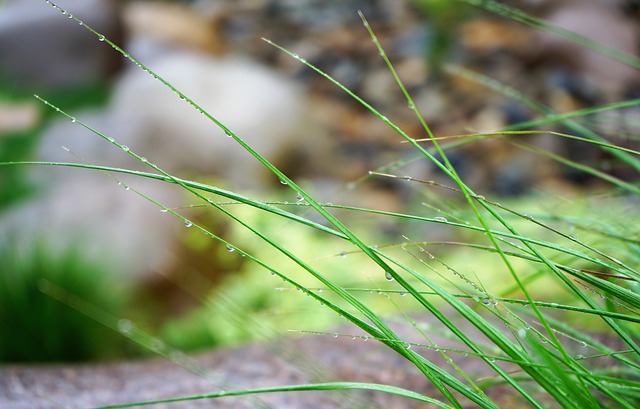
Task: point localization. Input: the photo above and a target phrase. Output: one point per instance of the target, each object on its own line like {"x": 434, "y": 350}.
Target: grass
{"x": 545, "y": 284}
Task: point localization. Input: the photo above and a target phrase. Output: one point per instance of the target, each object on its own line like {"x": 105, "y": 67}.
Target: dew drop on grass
{"x": 73, "y": 119}
{"x": 143, "y": 159}
{"x": 125, "y": 148}
{"x": 157, "y": 345}
{"x": 125, "y": 326}
{"x": 101, "y": 37}
{"x": 230, "y": 248}
{"x": 486, "y": 300}
{"x": 440, "y": 219}
{"x": 388, "y": 275}
{"x": 188, "y": 223}
{"x": 411, "y": 107}
{"x": 283, "y": 182}
{"x": 110, "y": 139}
{"x": 165, "y": 210}
{"x": 343, "y": 254}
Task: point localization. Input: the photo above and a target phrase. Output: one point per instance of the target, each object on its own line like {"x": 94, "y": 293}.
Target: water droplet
{"x": 407, "y": 178}
{"x": 296, "y": 56}
{"x": 364, "y": 338}
{"x": 528, "y": 216}
{"x": 583, "y": 344}
{"x": 481, "y": 197}
{"x": 157, "y": 345}
{"x": 407, "y": 345}
{"x": 64, "y": 148}
{"x": 110, "y": 139}
{"x": 143, "y": 159}
{"x": 165, "y": 210}
{"x": 440, "y": 219}
{"x": 411, "y": 107}
{"x": 299, "y": 198}
{"x": 188, "y": 223}
{"x": 80, "y": 23}
{"x": 381, "y": 52}
{"x": 230, "y": 248}
{"x": 101, "y": 37}
{"x": 73, "y": 119}
{"x": 486, "y": 300}
{"x": 579, "y": 356}
{"x": 343, "y": 254}
{"x": 125, "y": 148}
{"x": 335, "y": 335}
{"x": 403, "y": 294}
{"x": 573, "y": 237}
{"x": 125, "y": 326}
{"x": 283, "y": 182}
{"x": 388, "y": 275}
{"x": 431, "y": 256}
{"x": 492, "y": 359}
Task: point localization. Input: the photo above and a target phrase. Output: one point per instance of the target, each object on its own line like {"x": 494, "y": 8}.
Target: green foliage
{"x": 41, "y": 328}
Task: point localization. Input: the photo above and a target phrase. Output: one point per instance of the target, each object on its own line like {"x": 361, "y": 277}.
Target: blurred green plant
{"x": 40, "y": 328}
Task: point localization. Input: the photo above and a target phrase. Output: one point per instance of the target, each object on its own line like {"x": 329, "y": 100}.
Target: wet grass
{"x": 542, "y": 284}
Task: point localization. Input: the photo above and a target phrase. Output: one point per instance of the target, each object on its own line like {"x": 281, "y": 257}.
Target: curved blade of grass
{"x": 329, "y": 386}
{"x": 294, "y": 217}
{"x": 537, "y": 132}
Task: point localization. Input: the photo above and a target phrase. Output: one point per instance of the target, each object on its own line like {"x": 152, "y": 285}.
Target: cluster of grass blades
{"x": 593, "y": 280}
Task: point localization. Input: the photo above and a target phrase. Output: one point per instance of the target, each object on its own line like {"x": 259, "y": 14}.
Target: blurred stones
{"x": 106, "y": 217}
{"x": 174, "y": 25}
{"x": 40, "y": 49}
{"x": 605, "y": 23}
{"x": 17, "y": 116}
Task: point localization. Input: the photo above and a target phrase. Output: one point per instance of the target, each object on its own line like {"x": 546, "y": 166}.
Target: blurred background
{"x": 57, "y": 224}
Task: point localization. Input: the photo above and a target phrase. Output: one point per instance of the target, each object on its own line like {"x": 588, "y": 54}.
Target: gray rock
{"x": 41, "y": 49}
